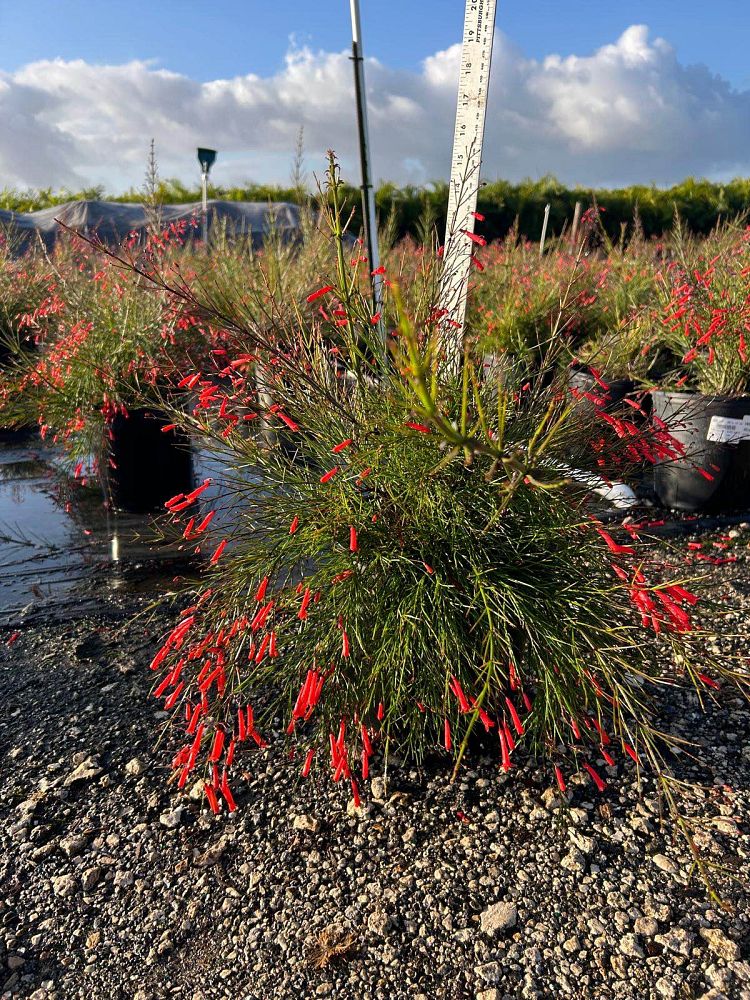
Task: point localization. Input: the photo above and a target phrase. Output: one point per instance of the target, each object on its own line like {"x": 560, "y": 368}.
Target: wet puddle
{"x": 56, "y": 534}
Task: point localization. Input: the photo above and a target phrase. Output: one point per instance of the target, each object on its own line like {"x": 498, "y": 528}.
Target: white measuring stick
{"x": 473, "y": 84}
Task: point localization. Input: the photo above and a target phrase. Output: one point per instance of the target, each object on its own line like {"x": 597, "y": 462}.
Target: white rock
{"x": 664, "y": 864}
{"x": 630, "y": 946}
{"x": 304, "y": 822}
{"x": 171, "y": 820}
{"x": 378, "y": 922}
{"x": 87, "y": 770}
{"x": 64, "y": 885}
{"x": 677, "y": 940}
{"x": 720, "y": 944}
{"x": 499, "y": 917}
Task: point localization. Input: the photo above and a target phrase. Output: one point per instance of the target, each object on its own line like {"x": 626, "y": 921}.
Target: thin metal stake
{"x": 368, "y": 194}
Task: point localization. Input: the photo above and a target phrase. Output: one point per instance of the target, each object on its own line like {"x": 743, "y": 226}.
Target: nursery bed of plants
{"x": 473, "y": 611}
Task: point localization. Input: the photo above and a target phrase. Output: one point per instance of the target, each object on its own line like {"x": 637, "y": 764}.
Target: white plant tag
{"x": 728, "y": 430}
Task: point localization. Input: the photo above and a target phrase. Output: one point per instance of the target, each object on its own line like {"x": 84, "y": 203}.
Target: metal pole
{"x": 368, "y": 194}
{"x": 204, "y": 207}
{"x": 544, "y": 230}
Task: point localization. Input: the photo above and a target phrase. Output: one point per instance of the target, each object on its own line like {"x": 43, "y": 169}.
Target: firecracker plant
{"x": 704, "y": 315}
{"x": 409, "y": 561}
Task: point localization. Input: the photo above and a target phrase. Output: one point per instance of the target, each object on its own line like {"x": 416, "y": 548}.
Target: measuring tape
{"x": 473, "y": 84}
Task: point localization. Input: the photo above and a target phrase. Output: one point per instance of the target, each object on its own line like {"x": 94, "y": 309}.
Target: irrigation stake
{"x": 544, "y": 230}
{"x": 368, "y": 194}
{"x": 473, "y": 84}
{"x": 576, "y": 222}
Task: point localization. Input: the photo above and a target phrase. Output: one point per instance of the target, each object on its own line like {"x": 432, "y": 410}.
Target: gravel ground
{"x": 114, "y": 886}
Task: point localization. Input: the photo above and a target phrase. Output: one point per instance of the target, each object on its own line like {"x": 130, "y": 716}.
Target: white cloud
{"x": 629, "y": 112}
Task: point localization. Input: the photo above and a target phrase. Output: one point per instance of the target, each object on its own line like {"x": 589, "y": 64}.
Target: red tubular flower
{"x": 341, "y": 446}
{"x": 560, "y": 779}
{"x": 241, "y": 726}
{"x": 263, "y": 647}
{"x": 708, "y": 681}
{"x": 630, "y": 752}
{"x": 352, "y": 538}
{"x": 355, "y": 794}
{"x": 173, "y": 501}
{"x": 192, "y": 724}
{"x": 328, "y": 476}
{"x": 218, "y": 552}
{"x": 294, "y": 525}
{"x": 308, "y": 762}
{"x": 344, "y": 644}
{"x": 163, "y": 686}
{"x": 172, "y": 699}
{"x": 602, "y": 732}
{"x": 518, "y": 725}
{"x": 485, "y": 720}
{"x": 509, "y": 737}
{"x": 513, "y": 677}
{"x": 505, "y": 755}
{"x": 607, "y": 756}
{"x": 319, "y": 293}
{"x": 302, "y": 613}
{"x": 198, "y": 490}
{"x": 612, "y": 545}
{"x": 447, "y": 742}
{"x": 205, "y": 522}
{"x": 260, "y": 593}
{"x": 458, "y": 691}
{"x": 422, "y": 428}
{"x": 211, "y": 796}
{"x": 226, "y": 792}
{"x": 474, "y": 237}
{"x": 287, "y": 420}
{"x": 381, "y": 711}
{"x": 595, "y": 778}
{"x": 218, "y": 746}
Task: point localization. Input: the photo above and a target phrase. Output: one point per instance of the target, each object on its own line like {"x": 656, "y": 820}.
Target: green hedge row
{"x": 700, "y": 203}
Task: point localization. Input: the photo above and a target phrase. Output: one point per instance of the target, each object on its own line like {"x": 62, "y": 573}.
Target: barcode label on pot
{"x": 728, "y": 430}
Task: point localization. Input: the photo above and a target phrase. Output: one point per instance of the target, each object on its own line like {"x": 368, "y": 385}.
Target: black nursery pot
{"x": 150, "y": 465}
{"x": 711, "y": 429}
{"x": 580, "y": 378}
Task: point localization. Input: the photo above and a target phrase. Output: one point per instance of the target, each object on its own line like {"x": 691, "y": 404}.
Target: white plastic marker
{"x": 473, "y": 84}
{"x": 544, "y": 230}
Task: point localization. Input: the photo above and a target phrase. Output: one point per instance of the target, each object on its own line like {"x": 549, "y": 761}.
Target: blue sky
{"x": 595, "y": 92}
{"x": 209, "y": 39}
